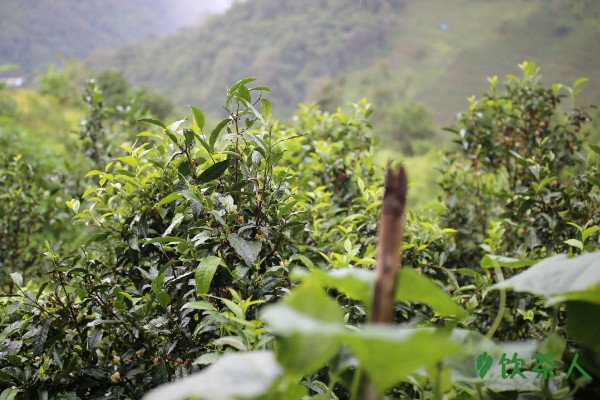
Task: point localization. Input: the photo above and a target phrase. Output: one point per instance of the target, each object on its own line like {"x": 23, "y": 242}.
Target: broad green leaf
{"x": 205, "y": 273}
{"x": 418, "y": 288}
{"x": 492, "y": 261}
{"x": 239, "y": 375}
{"x": 354, "y": 282}
{"x": 207, "y": 359}
{"x": 305, "y": 260}
{"x": 41, "y": 337}
{"x": 153, "y": 121}
{"x": 575, "y": 243}
{"x": 163, "y": 298}
{"x": 309, "y": 324}
{"x": 266, "y": 109}
{"x": 244, "y": 93}
{"x": 588, "y": 232}
{"x": 165, "y": 239}
{"x": 579, "y": 82}
{"x": 199, "y": 305}
{"x": 175, "y": 125}
{"x": 94, "y": 339}
{"x": 248, "y": 250}
{"x": 358, "y": 284}
{"x": 214, "y": 171}
{"x": 560, "y": 278}
{"x": 239, "y": 83}
{"x": 215, "y": 132}
{"x": 232, "y": 341}
{"x": 389, "y": 354}
{"x": 198, "y": 117}
{"x": 93, "y": 173}
{"x": 9, "y": 394}
{"x": 169, "y": 199}
{"x": 595, "y": 148}
{"x": 174, "y": 224}
{"x": 17, "y": 278}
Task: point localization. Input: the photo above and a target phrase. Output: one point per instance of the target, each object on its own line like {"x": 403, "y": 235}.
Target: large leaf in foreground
{"x": 560, "y": 278}
{"x": 389, "y": 354}
{"x": 309, "y": 325}
{"x": 358, "y": 284}
{"x": 241, "y": 375}
{"x": 311, "y": 330}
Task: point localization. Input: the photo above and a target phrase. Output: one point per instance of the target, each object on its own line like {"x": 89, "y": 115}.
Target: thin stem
{"x": 501, "y": 307}
{"x": 355, "y": 386}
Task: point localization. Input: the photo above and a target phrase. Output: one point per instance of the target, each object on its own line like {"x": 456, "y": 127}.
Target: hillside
{"x": 37, "y": 33}
{"x": 389, "y": 51}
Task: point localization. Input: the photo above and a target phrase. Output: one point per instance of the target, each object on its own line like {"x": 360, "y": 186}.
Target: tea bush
{"x": 244, "y": 252}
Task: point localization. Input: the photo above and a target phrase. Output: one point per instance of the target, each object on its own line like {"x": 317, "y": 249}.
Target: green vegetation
{"x": 391, "y": 52}
{"x": 241, "y": 251}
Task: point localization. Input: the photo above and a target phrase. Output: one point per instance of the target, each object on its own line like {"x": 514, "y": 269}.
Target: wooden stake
{"x": 391, "y": 229}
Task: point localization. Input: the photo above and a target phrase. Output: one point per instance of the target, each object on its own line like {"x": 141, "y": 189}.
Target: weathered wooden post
{"x": 389, "y": 243}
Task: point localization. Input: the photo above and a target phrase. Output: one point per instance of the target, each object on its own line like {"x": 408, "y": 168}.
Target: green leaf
{"x": 239, "y": 375}
{"x": 244, "y": 93}
{"x": 41, "y": 337}
{"x": 239, "y": 83}
{"x": 93, "y": 173}
{"x": 579, "y": 82}
{"x": 588, "y": 232}
{"x": 354, "y": 282}
{"x": 560, "y": 278}
{"x": 575, "y": 243}
{"x": 9, "y": 394}
{"x": 94, "y": 339}
{"x": 205, "y": 273}
{"x": 174, "y": 224}
{"x": 198, "y": 117}
{"x": 492, "y": 261}
{"x": 595, "y": 148}
{"x": 199, "y": 305}
{"x": 153, "y": 121}
{"x": 163, "y": 298}
{"x": 389, "y": 354}
{"x": 232, "y": 341}
{"x": 309, "y": 324}
{"x": 214, "y": 171}
{"x": 418, "y": 288}
{"x": 17, "y": 278}
{"x": 248, "y": 250}
{"x": 175, "y": 125}
{"x": 358, "y": 284}
{"x": 215, "y": 132}
{"x": 165, "y": 239}
{"x": 169, "y": 199}
{"x": 266, "y": 109}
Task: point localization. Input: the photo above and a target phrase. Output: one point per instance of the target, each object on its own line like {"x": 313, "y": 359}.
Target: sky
{"x": 191, "y": 10}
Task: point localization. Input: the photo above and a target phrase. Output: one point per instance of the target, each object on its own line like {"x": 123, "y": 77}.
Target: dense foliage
{"x": 243, "y": 252}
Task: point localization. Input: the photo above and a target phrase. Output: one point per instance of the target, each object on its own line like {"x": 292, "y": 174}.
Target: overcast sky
{"x": 191, "y": 10}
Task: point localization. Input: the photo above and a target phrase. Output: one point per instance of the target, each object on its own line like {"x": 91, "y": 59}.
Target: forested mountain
{"x": 35, "y": 33}
{"x": 388, "y": 51}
